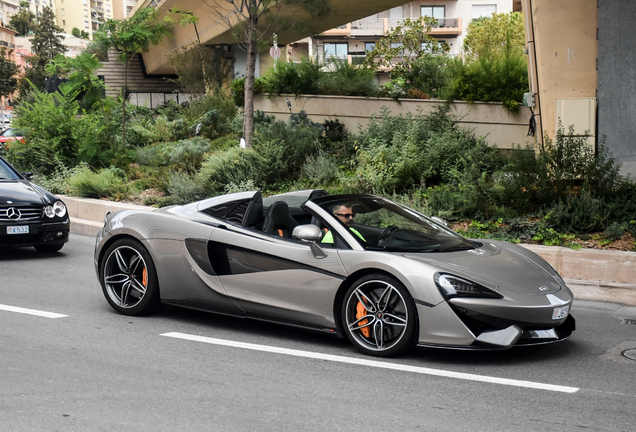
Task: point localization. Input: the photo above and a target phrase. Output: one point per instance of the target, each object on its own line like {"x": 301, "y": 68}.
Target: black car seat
{"x": 278, "y": 221}
{"x": 254, "y": 214}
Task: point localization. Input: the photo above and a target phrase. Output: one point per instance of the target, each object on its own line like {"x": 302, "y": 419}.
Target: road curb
{"x": 591, "y": 274}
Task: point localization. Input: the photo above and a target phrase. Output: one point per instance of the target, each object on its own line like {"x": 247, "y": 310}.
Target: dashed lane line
{"x": 375, "y": 363}
{"x": 31, "y": 312}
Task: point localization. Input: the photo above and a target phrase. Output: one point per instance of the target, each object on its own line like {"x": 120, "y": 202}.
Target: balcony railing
{"x": 381, "y": 26}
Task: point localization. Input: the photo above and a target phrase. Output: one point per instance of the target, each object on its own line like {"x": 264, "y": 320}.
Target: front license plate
{"x": 18, "y": 230}
{"x": 560, "y": 312}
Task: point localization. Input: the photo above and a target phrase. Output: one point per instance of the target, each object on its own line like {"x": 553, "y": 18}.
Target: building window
{"x": 85, "y": 13}
{"x": 436, "y": 12}
{"x": 336, "y": 49}
{"x": 107, "y": 8}
{"x": 85, "y": 24}
{"x": 369, "y": 46}
{"x": 63, "y": 11}
{"x": 483, "y": 11}
{"x": 84, "y": 2}
{"x": 64, "y": 23}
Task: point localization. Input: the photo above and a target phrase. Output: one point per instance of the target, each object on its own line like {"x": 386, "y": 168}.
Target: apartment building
{"x": 351, "y": 41}
{"x": 7, "y": 9}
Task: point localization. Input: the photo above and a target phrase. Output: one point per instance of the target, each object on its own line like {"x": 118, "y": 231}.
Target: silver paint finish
{"x": 305, "y": 290}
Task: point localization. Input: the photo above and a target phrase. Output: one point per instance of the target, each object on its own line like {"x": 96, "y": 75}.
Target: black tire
{"x": 47, "y": 248}
{"x": 129, "y": 279}
{"x": 378, "y": 316}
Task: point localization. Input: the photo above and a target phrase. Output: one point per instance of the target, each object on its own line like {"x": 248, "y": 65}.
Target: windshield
{"x": 378, "y": 223}
{"x": 6, "y": 173}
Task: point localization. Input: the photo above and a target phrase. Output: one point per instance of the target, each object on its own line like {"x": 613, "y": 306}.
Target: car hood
{"x": 21, "y": 192}
{"x": 498, "y": 265}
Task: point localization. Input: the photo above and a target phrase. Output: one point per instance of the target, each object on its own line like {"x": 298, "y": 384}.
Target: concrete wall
{"x": 566, "y": 51}
{"x": 617, "y": 80}
{"x": 497, "y": 124}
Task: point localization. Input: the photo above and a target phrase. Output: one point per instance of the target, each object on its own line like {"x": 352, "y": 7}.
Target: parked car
{"x": 357, "y": 266}
{"x": 11, "y": 134}
{"x": 29, "y": 214}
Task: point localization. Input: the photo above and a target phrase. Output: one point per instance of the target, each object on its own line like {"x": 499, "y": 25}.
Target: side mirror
{"x": 307, "y": 232}
{"x": 310, "y": 234}
{"x": 28, "y": 175}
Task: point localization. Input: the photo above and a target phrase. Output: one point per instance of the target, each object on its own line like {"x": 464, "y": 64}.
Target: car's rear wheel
{"x": 129, "y": 279}
{"x": 378, "y": 315}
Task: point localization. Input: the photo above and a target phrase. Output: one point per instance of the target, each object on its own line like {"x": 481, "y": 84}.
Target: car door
{"x": 275, "y": 278}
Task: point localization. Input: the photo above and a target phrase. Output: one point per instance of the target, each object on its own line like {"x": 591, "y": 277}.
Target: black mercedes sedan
{"x": 29, "y": 214}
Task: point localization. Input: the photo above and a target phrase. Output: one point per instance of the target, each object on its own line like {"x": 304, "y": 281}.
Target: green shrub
{"x": 320, "y": 170}
{"x": 347, "y": 80}
{"x": 235, "y": 165}
{"x": 496, "y": 76}
{"x": 292, "y": 78}
{"x": 184, "y": 189}
{"x": 284, "y": 147}
{"x": 247, "y": 185}
{"x": 187, "y": 155}
{"x": 58, "y": 181}
{"x": 106, "y": 183}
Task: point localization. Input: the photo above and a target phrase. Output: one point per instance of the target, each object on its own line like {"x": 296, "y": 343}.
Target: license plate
{"x": 18, "y": 230}
{"x": 560, "y": 312}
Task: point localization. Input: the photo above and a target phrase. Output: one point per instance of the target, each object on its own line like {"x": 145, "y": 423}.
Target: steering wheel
{"x": 387, "y": 232}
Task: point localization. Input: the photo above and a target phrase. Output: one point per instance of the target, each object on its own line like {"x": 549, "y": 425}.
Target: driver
{"x": 345, "y": 213}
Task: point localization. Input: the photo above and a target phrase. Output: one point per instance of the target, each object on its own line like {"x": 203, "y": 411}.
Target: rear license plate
{"x": 18, "y": 230}
{"x": 560, "y": 312}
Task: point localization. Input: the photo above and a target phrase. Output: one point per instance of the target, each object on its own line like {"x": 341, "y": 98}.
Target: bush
{"x": 347, "y": 80}
{"x": 235, "y": 165}
{"x": 292, "y": 78}
{"x": 107, "y": 183}
{"x": 320, "y": 170}
{"x": 184, "y": 189}
{"x": 493, "y": 77}
{"x": 58, "y": 181}
{"x": 187, "y": 155}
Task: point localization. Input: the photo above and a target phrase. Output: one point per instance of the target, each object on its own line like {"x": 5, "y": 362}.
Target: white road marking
{"x": 31, "y": 312}
{"x": 375, "y": 363}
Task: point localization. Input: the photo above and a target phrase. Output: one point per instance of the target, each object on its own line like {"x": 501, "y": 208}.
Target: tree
{"x": 253, "y": 22}
{"x": 132, "y": 36}
{"x": 403, "y": 45}
{"x": 45, "y": 45}
{"x": 495, "y": 34}
{"x": 82, "y": 80}
{"x": 8, "y": 81}
{"x": 22, "y": 21}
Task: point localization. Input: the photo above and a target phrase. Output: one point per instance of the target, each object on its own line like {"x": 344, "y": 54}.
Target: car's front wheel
{"x": 378, "y": 315}
{"x": 129, "y": 279}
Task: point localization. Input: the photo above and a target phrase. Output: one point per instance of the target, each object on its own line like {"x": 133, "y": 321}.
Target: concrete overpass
{"x": 213, "y": 31}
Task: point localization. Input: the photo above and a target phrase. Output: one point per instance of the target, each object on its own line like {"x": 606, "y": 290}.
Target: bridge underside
{"x": 212, "y": 30}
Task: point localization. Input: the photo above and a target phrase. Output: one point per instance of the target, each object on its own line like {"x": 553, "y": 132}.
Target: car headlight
{"x": 56, "y": 210}
{"x": 60, "y": 209}
{"x": 454, "y": 286}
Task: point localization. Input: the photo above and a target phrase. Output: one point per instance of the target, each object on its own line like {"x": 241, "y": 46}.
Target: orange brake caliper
{"x": 144, "y": 275}
{"x": 360, "y": 312}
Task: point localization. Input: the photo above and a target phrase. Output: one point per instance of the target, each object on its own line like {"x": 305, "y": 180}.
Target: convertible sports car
{"x": 356, "y": 266}
{"x": 29, "y": 214}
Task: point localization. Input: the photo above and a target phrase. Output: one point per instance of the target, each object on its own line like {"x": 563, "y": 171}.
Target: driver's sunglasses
{"x": 346, "y": 215}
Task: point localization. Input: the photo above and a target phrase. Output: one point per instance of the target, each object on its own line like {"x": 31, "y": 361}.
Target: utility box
{"x": 528, "y": 99}
{"x": 579, "y": 112}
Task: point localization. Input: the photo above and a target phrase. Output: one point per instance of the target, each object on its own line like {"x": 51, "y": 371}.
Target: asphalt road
{"x": 95, "y": 370}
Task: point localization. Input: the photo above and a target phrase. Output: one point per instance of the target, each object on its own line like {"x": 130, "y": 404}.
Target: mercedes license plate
{"x": 18, "y": 229}
{"x": 560, "y": 312}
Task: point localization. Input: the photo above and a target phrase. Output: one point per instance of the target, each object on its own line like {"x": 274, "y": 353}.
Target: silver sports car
{"x": 356, "y": 266}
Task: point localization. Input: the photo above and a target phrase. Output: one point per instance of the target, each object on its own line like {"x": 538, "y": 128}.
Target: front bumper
{"x": 40, "y": 233}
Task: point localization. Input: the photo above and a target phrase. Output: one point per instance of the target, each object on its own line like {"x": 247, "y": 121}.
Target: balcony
{"x": 381, "y": 26}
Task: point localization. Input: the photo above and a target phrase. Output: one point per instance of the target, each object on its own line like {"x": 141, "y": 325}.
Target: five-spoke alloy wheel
{"x": 378, "y": 315}
{"x": 128, "y": 278}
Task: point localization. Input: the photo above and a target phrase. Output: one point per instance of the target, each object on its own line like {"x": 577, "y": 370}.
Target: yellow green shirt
{"x": 328, "y": 238}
